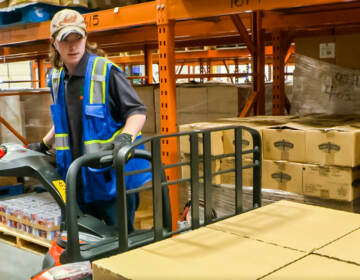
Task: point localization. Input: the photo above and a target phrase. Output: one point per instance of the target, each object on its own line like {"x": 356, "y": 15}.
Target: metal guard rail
{"x": 158, "y": 182}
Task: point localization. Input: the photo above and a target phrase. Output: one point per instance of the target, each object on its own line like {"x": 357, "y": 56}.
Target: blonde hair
{"x": 55, "y": 58}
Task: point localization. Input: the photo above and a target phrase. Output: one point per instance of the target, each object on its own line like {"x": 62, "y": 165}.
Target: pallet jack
{"x": 85, "y": 238}
{"x": 94, "y": 239}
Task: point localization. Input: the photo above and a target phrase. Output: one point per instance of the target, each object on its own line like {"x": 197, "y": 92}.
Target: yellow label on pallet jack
{"x": 61, "y": 187}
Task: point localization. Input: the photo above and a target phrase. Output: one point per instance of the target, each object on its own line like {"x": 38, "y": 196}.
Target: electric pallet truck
{"x": 84, "y": 237}
{"x": 94, "y": 239}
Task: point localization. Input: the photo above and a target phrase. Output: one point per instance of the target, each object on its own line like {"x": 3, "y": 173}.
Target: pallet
{"x": 24, "y": 241}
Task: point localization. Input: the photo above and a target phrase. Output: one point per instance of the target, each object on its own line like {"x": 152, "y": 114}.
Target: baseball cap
{"x": 65, "y": 22}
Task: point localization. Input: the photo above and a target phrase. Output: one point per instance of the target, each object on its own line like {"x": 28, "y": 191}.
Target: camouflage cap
{"x": 65, "y": 22}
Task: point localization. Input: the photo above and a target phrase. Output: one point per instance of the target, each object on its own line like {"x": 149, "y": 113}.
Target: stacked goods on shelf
{"x": 35, "y": 214}
{"x": 204, "y": 102}
{"x": 209, "y": 105}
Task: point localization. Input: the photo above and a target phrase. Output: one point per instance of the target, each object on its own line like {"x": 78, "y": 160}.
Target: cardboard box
{"x": 316, "y": 267}
{"x": 222, "y": 98}
{"x": 333, "y": 146}
{"x": 146, "y": 95}
{"x": 343, "y": 248}
{"x": 193, "y": 99}
{"x": 214, "y": 117}
{"x": 272, "y": 242}
{"x": 188, "y": 118}
{"x": 331, "y": 182}
{"x": 216, "y": 137}
{"x": 247, "y": 139}
{"x": 200, "y": 254}
{"x": 229, "y": 178}
{"x": 261, "y": 120}
{"x": 215, "y": 167}
{"x": 310, "y": 46}
{"x": 292, "y": 225}
{"x": 257, "y": 122}
{"x": 284, "y": 143}
{"x": 282, "y": 175}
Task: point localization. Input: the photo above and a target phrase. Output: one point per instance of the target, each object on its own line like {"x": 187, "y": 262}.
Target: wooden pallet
{"x": 24, "y": 241}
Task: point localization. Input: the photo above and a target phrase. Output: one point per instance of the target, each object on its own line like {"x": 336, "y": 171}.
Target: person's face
{"x": 71, "y": 49}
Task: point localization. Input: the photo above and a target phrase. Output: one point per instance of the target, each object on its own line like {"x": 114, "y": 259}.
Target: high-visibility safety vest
{"x": 99, "y": 128}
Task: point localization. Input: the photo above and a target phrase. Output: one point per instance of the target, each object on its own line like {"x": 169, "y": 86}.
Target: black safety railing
{"x": 159, "y": 232}
{"x": 162, "y": 225}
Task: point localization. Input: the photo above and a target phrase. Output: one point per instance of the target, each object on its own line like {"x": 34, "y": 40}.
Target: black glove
{"x": 120, "y": 141}
{"x": 38, "y": 147}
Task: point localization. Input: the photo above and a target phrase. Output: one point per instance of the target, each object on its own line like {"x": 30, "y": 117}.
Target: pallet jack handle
{"x": 95, "y": 160}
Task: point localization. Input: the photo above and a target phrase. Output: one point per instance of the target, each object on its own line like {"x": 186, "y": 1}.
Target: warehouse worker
{"x": 94, "y": 108}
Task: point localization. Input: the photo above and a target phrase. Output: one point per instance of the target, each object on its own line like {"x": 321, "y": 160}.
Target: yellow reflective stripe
{"x": 107, "y": 140}
{"x": 56, "y": 81}
{"x": 92, "y": 82}
{"x": 104, "y": 141}
{"x": 62, "y": 141}
{"x": 62, "y": 148}
{"x": 104, "y": 82}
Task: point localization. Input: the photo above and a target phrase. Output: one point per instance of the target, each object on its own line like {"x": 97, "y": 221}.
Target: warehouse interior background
{"x": 288, "y": 69}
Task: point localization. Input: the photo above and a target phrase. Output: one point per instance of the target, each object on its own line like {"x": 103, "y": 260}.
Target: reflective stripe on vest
{"x": 55, "y": 82}
{"x": 93, "y": 146}
{"x": 62, "y": 141}
{"x": 98, "y": 80}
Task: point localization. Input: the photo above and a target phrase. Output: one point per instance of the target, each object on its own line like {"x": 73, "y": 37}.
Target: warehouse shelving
{"x": 169, "y": 24}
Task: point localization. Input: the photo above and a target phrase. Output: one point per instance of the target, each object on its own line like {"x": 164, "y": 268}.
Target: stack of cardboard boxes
{"x": 194, "y": 103}
{"x": 314, "y": 156}
{"x": 222, "y": 142}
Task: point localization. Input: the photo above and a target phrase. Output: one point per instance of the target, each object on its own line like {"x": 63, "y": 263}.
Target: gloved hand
{"x": 38, "y": 147}
{"x": 120, "y": 141}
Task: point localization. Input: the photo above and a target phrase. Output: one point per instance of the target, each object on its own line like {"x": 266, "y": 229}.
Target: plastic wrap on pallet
{"x": 321, "y": 87}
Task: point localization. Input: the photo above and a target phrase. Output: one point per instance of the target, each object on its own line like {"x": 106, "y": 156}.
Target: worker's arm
{"x": 49, "y": 138}
{"x": 134, "y": 124}
{"x": 45, "y": 144}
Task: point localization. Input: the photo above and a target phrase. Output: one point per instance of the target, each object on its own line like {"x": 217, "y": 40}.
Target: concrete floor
{"x": 17, "y": 264}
